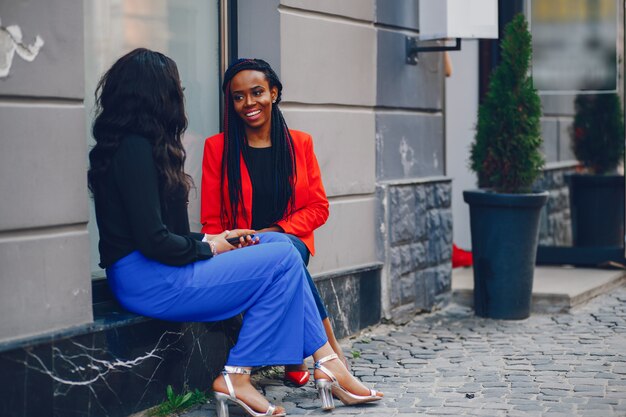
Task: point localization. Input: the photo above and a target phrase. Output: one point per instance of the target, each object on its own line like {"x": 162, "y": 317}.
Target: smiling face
{"x": 252, "y": 98}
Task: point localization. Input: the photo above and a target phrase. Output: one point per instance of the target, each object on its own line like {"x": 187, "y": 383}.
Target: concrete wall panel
{"x": 57, "y": 70}
{"x": 43, "y": 286}
{"x": 565, "y": 141}
{"x": 348, "y": 239}
{"x": 550, "y": 135}
{"x": 407, "y": 86}
{"x": 258, "y": 27}
{"x": 327, "y": 61}
{"x": 558, "y": 105}
{"x": 344, "y": 145}
{"x": 409, "y": 145}
{"x": 400, "y": 13}
{"x": 43, "y": 166}
{"x": 355, "y": 9}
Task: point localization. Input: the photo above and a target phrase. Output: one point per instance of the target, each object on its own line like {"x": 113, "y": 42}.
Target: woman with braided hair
{"x": 260, "y": 175}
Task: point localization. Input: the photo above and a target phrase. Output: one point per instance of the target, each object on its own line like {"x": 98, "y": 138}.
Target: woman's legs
{"x": 328, "y": 328}
{"x": 266, "y": 280}
{"x": 299, "y": 308}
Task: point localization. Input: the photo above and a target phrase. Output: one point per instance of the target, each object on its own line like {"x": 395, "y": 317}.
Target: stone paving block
{"x": 554, "y": 392}
{"x": 447, "y": 411}
{"x": 496, "y": 406}
{"x": 593, "y": 413}
{"x": 605, "y": 400}
{"x": 342, "y": 410}
{"x": 589, "y": 388}
{"x": 549, "y": 398}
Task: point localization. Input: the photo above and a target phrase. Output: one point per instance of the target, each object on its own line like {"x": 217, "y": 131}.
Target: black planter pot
{"x": 597, "y": 209}
{"x": 505, "y": 231}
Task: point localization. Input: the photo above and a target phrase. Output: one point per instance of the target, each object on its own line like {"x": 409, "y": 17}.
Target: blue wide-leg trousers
{"x": 305, "y": 254}
{"x": 266, "y": 282}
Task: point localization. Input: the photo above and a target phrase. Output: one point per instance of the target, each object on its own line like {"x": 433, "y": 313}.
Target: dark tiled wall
{"x": 112, "y": 372}
{"x": 352, "y": 300}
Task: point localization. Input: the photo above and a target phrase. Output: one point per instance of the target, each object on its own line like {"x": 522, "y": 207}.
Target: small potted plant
{"x": 597, "y": 193}
{"x": 505, "y": 211}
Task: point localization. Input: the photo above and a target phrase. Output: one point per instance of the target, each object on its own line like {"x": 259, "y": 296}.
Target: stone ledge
{"x": 348, "y": 271}
{"x": 550, "y": 166}
{"x": 102, "y": 322}
{"x": 415, "y": 181}
{"x": 555, "y": 289}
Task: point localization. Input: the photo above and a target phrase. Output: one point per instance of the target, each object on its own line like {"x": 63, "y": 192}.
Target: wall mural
{"x": 11, "y": 43}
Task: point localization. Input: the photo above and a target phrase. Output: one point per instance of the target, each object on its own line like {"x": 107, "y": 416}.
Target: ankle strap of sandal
{"x": 233, "y": 370}
{"x": 236, "y": 370}
{"x": 231, "y": 390}
{"x": 318, "y": 365}
{"x": 326, "y": 359}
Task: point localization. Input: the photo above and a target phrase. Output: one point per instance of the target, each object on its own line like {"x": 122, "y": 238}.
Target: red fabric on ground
{"x": 460, "y": 257}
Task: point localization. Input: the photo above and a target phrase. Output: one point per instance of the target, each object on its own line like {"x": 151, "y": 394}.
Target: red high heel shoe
{"x": 298, "y": 378}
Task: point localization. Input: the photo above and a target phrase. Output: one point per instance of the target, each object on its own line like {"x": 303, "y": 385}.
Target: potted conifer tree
{"x": 505, "y": 211}
{"x": 597, "y": 194}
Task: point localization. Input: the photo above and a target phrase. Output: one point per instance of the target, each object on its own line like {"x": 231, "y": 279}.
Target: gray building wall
{"x": 45, "y": 282}
{"x": 378, "y": 130}
{"x": 328, "y": 67}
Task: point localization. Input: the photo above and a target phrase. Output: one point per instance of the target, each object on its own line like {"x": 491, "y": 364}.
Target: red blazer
{"x": 311, "y": 205}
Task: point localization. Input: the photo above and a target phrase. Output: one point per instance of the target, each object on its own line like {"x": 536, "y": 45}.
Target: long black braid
{"x": 283, "y": 155}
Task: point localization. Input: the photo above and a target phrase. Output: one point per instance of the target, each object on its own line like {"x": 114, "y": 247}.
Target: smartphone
{"x": 235, "y": 240}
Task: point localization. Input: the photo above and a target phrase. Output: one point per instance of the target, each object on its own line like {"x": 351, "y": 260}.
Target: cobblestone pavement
{"x": 453, "y": 363}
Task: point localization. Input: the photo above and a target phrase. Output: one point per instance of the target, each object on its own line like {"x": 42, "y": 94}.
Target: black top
{"x": 259, "y": 162}
{"x": 132, "y": 215}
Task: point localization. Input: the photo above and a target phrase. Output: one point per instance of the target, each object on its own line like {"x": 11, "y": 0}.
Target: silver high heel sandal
{"x": 222, "y": 399}
{"x": 327, "y": 388}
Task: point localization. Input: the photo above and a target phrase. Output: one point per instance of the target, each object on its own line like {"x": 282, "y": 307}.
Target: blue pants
{"x": 305, "y": 254}
{"x": 267, "y": 281}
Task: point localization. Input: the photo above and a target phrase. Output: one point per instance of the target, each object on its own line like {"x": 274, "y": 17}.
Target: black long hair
{"x": 141, "y": 94}
{"x": 283, "y": 155}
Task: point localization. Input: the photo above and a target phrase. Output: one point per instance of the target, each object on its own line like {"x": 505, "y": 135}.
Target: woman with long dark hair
{"x": 258, "y": 174}
{"x": 156, "y": 268}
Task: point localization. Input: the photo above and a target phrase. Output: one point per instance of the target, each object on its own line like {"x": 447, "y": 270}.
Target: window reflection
{"x": 185, "y": 30}
{"x": 574, "y": 45}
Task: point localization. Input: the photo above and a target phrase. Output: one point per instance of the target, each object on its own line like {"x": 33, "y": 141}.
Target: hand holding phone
{"x": 235, "y": 240}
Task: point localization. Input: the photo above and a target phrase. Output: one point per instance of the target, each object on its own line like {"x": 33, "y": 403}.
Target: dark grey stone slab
{"x": 352, "y": 300}
{"x": 113, "y": 371}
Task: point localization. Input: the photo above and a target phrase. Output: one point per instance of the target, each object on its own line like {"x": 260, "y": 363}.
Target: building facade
{"x": 379, "y": 129}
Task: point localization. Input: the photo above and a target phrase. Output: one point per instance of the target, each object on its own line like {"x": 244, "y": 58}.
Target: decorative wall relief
{"x": 11, "y": 42}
